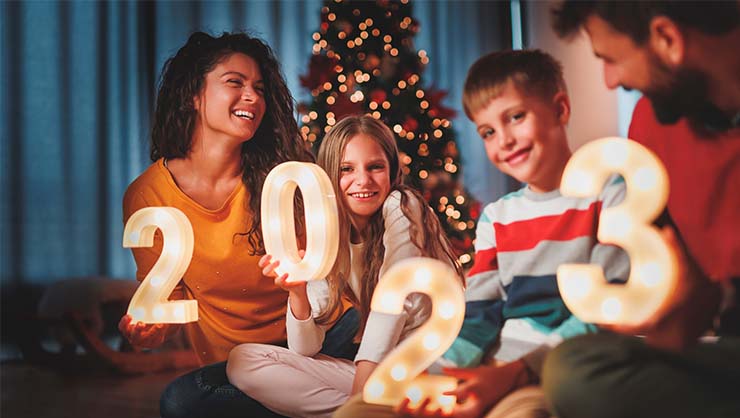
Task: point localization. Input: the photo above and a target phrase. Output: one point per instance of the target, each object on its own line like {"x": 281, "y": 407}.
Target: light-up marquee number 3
{"x": 653, "y": 265}
{"x": 322, "y": 221}
{"x": 397, "y": 376}
{"x": 149, "y": 304}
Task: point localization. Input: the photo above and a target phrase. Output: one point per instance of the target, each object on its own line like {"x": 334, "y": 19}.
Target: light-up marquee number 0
{"x": 653, "y": 264}
{"x": 397, "y": 376}
{"x": 149, "y": 304}
{"x": 322, "y": 221}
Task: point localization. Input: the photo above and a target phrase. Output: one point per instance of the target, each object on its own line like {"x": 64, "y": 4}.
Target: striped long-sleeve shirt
{"x": 521, "y": 240}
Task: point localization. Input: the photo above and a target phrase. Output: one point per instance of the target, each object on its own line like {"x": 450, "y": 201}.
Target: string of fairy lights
{"x": 364, "y": 61}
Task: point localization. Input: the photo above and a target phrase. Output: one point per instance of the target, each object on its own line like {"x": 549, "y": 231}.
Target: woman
{"x": 223, "y": 120}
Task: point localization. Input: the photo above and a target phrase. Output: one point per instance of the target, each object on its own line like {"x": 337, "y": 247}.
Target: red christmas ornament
{"x": 343, "y": 106}
{"x": 378, "y": 95}
{"x": 410, "y": 124}
{"x": 320, "y": 70}
{"x": 436, "y": 108}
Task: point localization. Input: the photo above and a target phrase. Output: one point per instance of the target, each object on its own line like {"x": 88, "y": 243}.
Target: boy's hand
{"x": 143, "y": 335}
{"x": 481, "y": 388}
{"x": 689, "y": 310}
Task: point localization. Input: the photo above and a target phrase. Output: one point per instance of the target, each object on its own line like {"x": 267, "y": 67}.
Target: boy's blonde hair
{"x": 532, "y": 71}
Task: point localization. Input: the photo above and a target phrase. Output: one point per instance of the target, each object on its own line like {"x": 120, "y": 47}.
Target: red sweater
{"x": 704, "y": 175}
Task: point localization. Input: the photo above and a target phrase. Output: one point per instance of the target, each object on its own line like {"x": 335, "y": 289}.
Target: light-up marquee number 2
{"x": 653, "y": 264}
{"x": 322, "y": 221}
{"x": 149, "y": 304}
{"x": 397, "y": 376}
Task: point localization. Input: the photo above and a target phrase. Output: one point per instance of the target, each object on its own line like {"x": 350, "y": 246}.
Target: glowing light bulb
{"x": 431, "y": 341}
{"x": 158, "y": 312}
{"x": 137, "y": 314}
{"x": 398, "y": 372}
{"x": 388, "y": 302}
{"x": 619, "y": 226}
{"x": 579, "y": 181}
{"x": 646, "y": 179}
{"x": 578, "y": 286}
{"x": 157, "y": 281}
{"x": 614, "y": 153}
{"x": 651, "y": 274}
{"x": 423, "y": 277}
{"x": 611, "y": 308}
{"x": 446, "y": 310}
{"x": 376, "y": 389}
{"x": 414, "y": 394}
{"x": 446, "y": 400}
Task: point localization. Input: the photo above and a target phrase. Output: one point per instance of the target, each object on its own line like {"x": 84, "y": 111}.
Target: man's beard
{"x": 683, "y": 93}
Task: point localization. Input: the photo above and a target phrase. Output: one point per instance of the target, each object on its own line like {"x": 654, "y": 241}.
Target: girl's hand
{"x": 142, "y": 335}
{"x": 299, "y": 305}
{"x": 268, "y": 269}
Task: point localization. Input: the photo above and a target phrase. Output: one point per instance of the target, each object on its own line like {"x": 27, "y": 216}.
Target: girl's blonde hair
{"x": 426, "y": 232}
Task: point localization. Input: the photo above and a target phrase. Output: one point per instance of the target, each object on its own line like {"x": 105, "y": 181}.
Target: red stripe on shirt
{"x": 526, "y": 234}
{"x": 485, "y": 260}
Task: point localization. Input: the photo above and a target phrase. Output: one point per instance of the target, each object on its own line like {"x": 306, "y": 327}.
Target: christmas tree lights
{"x": 364, "y": 62}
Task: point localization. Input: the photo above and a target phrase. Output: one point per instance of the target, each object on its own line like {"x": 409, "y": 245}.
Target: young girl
{"x": 223, "y": 120}
{"x": 381, "y": 222}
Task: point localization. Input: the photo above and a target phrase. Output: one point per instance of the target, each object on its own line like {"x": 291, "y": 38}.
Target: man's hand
{"x": 689, "y": 310}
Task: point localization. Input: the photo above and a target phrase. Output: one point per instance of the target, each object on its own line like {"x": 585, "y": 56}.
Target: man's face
{"x": 674, "y": 92}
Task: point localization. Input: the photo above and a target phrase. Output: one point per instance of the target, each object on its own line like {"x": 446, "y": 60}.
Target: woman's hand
{"x": 297, "y": 295}
{"x": 142, "y": 335}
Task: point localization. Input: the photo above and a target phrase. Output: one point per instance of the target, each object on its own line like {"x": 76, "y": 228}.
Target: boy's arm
{"x": 483, "y": 300}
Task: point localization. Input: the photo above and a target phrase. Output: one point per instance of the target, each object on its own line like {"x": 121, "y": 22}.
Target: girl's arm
{"x": 362, "y": 373}
{"x": 305, "y": 336}
{"x": 383, "y": 331}
{"x": 305, "y": 300}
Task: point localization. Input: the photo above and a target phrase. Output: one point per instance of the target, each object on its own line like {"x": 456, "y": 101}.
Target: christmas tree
{"x": 364, "y": 61}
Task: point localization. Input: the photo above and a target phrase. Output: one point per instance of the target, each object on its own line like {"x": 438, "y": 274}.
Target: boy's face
{"x": 524, "y": 136}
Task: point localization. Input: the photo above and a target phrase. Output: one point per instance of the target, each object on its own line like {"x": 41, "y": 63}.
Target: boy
{"x": 519, "y": 103}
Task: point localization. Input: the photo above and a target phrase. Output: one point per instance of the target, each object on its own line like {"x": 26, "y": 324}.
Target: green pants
{"x": 608, "y": 375}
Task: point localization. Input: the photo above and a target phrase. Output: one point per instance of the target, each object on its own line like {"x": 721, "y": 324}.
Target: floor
{"x": 36, "y": 391}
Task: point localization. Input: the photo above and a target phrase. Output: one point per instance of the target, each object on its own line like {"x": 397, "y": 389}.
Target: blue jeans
{"x": 206, "y": 392}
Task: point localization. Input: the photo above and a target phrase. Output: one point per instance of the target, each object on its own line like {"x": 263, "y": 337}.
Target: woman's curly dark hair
{"x": 277, "y": 139}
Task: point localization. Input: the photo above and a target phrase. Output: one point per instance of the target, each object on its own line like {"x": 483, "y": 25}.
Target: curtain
{"x": 78, "y": 84}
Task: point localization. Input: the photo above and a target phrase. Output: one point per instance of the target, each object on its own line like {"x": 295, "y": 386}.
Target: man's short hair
{"x": 633, "y": 17}
{"x": 533, "y": 72}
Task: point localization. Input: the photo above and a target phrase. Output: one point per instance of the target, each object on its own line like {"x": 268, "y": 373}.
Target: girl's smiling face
{"x": 364, "y": 179}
